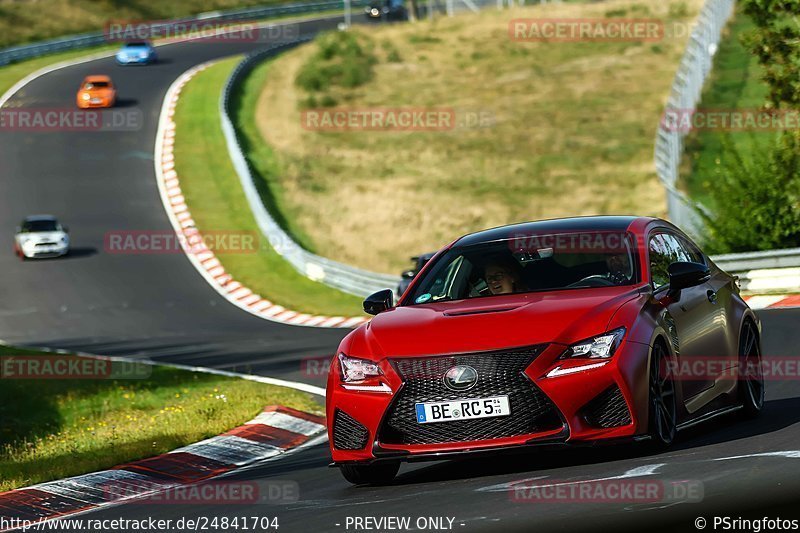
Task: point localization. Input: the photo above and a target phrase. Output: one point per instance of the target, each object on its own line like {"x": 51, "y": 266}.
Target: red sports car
{"x": 579, "y": 330}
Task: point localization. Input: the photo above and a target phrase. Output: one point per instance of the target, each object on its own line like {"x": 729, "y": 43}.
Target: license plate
{"x": 95, "y": 100}
{"x": 462, "y": 409}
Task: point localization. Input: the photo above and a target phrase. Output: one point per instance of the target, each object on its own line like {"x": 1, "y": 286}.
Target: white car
{"x": 41, "y": 236}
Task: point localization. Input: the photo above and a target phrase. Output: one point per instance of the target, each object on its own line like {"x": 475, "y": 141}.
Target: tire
{"x": 662, "y": 399}
{"x": 751, "y": 383}
{"x": 377, "y": 474}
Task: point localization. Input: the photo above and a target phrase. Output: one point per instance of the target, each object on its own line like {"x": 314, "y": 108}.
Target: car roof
{"x": 555, "y": 225}
{"x": 96, "y": 77}
{"x": 37, "y": 218}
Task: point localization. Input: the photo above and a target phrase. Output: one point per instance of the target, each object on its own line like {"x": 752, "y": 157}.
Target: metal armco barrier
{"x": 338, "y": 275}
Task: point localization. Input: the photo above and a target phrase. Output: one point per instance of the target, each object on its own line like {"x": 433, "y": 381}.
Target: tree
{"x": 776, "y": 44}
{"x": 758, "y": 199}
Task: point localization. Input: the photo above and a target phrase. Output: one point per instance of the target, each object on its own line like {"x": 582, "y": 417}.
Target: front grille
{"x": 499, "y": 373}
{"x": 608, "y": 409}
{"x": 348, "y": 433}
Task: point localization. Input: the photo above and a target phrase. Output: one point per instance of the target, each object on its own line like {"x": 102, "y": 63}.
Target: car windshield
{"x": 136, "y": 45}
{"x": 35, "y": 226}
{"x": 529, "y": 264}
{"x": 95, "y": 85}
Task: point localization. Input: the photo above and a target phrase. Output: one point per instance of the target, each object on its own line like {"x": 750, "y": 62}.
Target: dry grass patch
{"x": 572, "y": 133}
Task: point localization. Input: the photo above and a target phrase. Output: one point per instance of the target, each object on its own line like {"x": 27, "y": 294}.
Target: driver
{"x": 619, "y": 268}
{"x": 501, "y": 277}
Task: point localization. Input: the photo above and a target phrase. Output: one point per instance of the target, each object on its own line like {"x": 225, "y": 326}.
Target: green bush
{"x": 758, "y": 197}
{"x": 329, "y": 101}
{"x": 343, "y": 59}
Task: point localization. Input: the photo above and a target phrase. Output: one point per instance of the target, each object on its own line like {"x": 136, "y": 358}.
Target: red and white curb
{"x": 772, "y": 301}
{"x": 204, "y": 259}
{"x": 274, "y": 432}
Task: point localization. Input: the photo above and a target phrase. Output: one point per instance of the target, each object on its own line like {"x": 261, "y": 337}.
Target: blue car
{"x": 136, "y": 53}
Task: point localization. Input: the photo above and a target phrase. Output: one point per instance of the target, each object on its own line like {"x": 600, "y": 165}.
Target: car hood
{"x": 490, "y": 323}
{"x": 44, "y": 236}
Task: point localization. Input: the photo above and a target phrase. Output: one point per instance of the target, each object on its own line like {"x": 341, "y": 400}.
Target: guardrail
{"x": 773, "y": 271}
{"x": 686, "y": 90}
{"x": 85, "y": 40}
{"x": 343, "y": 277}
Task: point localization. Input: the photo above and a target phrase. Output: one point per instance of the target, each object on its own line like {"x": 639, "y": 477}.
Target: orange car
{"x": 96, "y": 91}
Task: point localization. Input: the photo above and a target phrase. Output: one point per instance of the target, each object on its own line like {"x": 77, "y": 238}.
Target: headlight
{"x": 600, "y": 347}
{"x": 357, "y": 369}
{"x": 85, "y": 96}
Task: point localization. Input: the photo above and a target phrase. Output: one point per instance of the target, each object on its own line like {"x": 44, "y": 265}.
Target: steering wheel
{"x": 595, "y": 280}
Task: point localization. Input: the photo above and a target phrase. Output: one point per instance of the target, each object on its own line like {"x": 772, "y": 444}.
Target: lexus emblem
{"x": 460, "y": 378}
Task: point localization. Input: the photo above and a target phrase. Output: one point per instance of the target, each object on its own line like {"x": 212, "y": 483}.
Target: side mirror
{"x": 19, "y": 229}
{"x": 379, "y": 302}
{"x": 408, "y": 274}
{"x": 683, "y": 275}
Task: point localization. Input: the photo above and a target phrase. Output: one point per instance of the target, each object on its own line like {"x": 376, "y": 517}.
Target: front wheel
{"x": 751, "y": 383}
{"x": 663, "y": 406}
{"x": 377, "y": 474}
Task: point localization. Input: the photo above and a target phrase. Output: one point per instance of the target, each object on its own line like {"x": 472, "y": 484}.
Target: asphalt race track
{"x": 158, "y": 306}
{"x": 97, "y": 182}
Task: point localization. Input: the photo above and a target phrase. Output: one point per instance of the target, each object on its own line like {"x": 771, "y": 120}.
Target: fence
{"x": 685, "y": 94}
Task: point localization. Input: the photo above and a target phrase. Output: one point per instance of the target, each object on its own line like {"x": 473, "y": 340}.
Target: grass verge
{"x": 215, "y": 198}
{"x": 570, "y": 131}
{"x": 734, "y": 84}
{"x": 54, "y": 428}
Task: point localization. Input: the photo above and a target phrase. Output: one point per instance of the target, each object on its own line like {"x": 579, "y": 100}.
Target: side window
{"x": 679, "y": 253}
{"x": 666, "y": 249}
{"x": 692, "y": 252}
{"x": 660, "y": 259}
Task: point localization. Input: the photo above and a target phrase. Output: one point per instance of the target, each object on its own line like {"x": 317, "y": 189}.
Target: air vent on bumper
{"x": 608, "y": 409}
{"x": 348, "y": 433}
